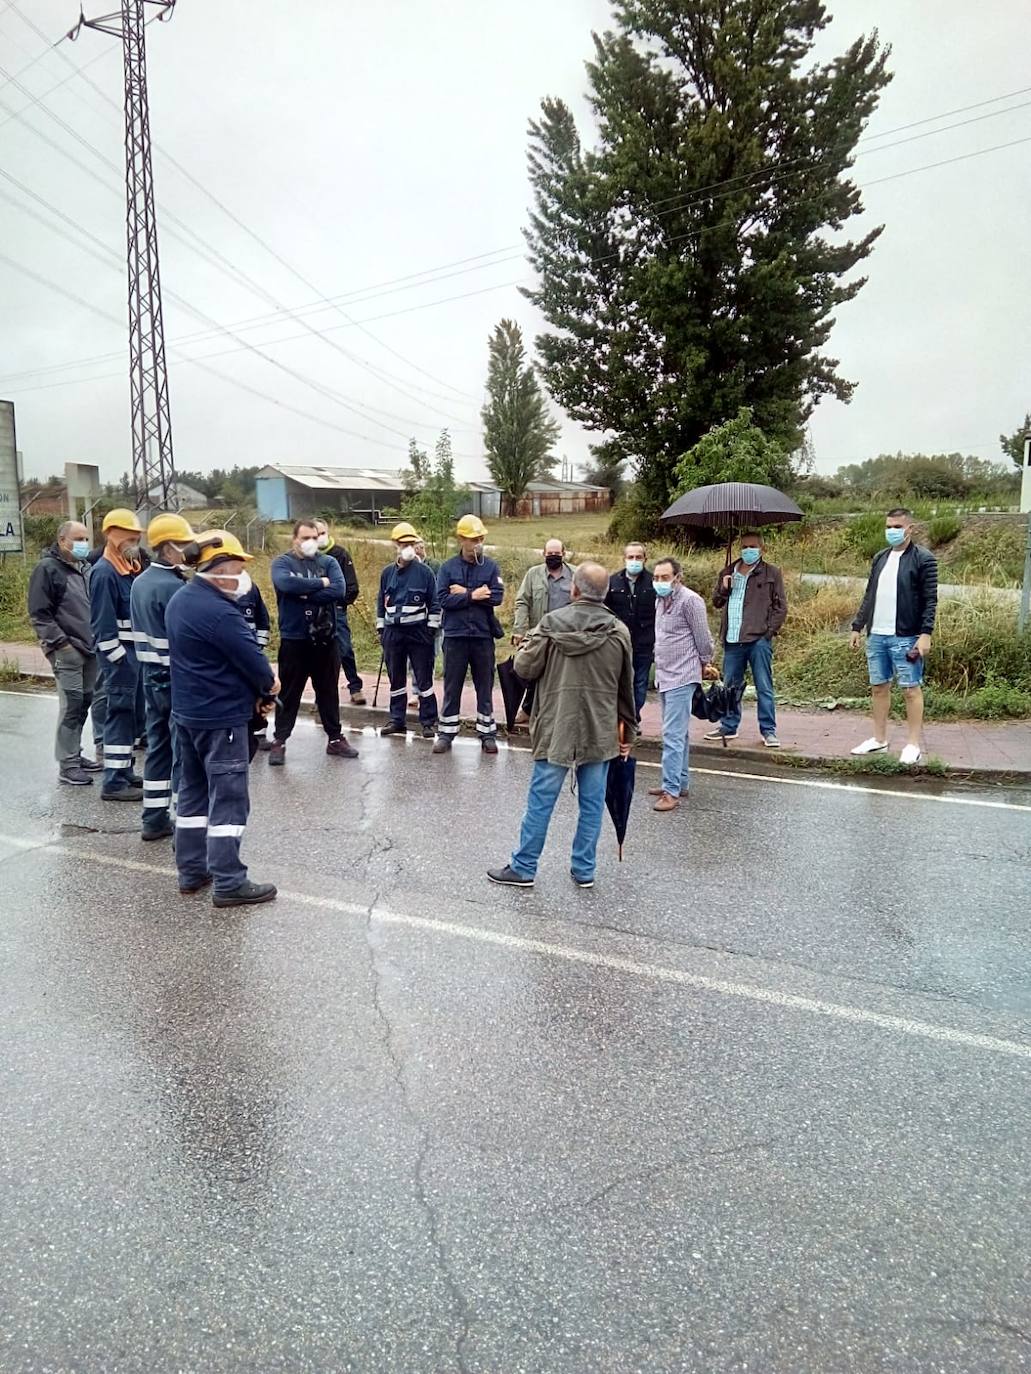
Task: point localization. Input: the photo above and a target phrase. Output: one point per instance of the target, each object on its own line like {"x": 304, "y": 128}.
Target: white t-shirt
{"x": 885, "y": 607}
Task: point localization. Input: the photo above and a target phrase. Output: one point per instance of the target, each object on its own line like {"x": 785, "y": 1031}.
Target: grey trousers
{"x": 76, "y": 676}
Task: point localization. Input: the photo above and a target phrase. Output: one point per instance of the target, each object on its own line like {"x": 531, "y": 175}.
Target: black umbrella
{"x": 732, "y": 506}
{"x": 619, "y": 793}
{"x": 513, "y": 689}
{"x": 717, "y": 701}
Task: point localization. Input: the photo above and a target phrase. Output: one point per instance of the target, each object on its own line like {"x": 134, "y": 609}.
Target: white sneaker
{"x": 871, "y": 746}
{"x": 911, "y": 754}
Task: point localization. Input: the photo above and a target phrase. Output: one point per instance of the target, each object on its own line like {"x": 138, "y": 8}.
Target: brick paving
{"x": 990, "y": 746}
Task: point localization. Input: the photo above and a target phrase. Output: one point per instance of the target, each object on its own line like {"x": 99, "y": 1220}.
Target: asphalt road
{"x": 758, "y": 1102}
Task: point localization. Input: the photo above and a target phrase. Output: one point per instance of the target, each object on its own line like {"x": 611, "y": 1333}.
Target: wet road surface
{"x": 758, "y": 1102}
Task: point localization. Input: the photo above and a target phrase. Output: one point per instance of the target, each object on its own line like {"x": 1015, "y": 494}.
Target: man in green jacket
{"x": 583, "y": 716}
{"x": 547, "y": 587}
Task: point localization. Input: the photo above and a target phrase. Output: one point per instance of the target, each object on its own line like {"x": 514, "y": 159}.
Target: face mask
{"x": 130, "y": 552}
{"x": 634, "y": 566}
{"x": 243, "y": 584}
{"x": 309, "y": 548}
{"x": 895, "y": 536}
{"x": 80, "y": 549}
{"x": 662, "y": 588}
{"x": 478, "y": 553}
{"x": 406, "y": 554}
{"x": 553, "y": 560}
{"x": 323, "y": 541}
{"x": 751, "y": 556}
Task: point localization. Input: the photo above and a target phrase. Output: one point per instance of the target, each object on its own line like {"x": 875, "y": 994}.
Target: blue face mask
{"x": 634, "y": 566}
{"x": 751, "y": 555}
{"x": 80, "y": 549}
{"x": 895, "y": 536}
{"x": 662, "y": 588}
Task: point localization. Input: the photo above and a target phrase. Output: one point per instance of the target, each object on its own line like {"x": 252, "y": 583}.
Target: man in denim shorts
{"x": 898, "y": 612}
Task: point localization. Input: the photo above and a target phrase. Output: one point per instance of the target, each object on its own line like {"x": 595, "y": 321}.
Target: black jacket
{"x": 917, "y": 592}
{"x": 347, "y": 567}
{"x": 59, "y": 603}
{"x": 635, "y": 607}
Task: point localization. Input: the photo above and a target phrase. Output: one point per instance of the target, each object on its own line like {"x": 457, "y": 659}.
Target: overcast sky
{"x": 367, "y": 143}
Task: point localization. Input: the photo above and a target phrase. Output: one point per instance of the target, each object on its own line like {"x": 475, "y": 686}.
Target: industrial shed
{"x": 290, "y": 493}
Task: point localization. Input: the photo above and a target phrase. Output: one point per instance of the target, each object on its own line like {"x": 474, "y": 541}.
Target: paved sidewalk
{"x": 994, "y": 747}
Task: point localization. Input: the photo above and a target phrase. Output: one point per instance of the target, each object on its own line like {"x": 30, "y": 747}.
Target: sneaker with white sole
{"x": 911, "y": 754}
{"x": 871, "y": 746}
{"x": 721, "y": 734}
{"x": 771, "y": 741}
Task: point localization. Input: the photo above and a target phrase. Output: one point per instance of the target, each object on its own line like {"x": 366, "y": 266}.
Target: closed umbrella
{"x": 717, "y": 701}
{"x": 513, "y": 689}
{"x": 619, "y": 792}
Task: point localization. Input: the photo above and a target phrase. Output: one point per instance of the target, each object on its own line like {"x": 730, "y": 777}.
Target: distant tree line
{"x": 921, "y": 476}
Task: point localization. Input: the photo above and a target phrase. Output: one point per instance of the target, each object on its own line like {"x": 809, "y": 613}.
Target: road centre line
{"x": 858, "y": 1016}
{"x": 820, "y": 783}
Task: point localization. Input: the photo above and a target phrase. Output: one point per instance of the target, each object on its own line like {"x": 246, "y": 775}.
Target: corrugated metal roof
{"x": 336, "y": 479}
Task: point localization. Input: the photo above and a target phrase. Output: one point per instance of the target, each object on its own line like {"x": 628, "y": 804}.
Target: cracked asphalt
{"x": 758, "y": 1102}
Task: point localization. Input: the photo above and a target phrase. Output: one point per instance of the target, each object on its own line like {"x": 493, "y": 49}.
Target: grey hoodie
{"x": 582, "y": 661}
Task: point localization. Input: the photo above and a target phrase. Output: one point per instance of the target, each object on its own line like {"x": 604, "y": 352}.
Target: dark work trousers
{"x": 346, "y": 647}
{"x": 257, "y": 730}
{"x": 122, "y": 680}
{"x": 98, "y": 711}
{"x": 141, "y": 709}
{"x": 462, "y": 653}
{"x": 161, "y": 766}
{"x": 213, "y": 806}
{"x": 76, "y": 677}
{"x": 401, "y": 647}
{"x": 299, "y": 661}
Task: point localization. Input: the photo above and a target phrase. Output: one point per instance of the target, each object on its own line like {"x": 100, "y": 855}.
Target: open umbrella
{"x": 513, "y": 689}
{"x": 619, "y": 792}
{"x": 732, "y": 506}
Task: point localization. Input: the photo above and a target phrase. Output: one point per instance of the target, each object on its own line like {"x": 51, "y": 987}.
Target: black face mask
{"x": 553, "y": 560}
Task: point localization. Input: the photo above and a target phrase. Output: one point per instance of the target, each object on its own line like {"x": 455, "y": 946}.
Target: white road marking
{"x": 858, "y": 1016}
{"x": 730, "y": 773}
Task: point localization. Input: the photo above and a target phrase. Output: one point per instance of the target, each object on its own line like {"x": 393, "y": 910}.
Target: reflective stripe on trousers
{"x": 213, "y": 805}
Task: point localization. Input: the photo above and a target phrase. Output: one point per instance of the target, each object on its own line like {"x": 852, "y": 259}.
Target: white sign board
{"x": 10, "y": 500}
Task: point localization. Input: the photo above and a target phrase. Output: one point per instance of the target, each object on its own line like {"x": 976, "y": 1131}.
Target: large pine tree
{"x": 518, "y": 432}
{"x": 691, "y": 263}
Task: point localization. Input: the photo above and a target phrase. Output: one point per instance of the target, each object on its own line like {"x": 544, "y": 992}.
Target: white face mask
{"x": 243, "y": 583}
{"x": 406, "y": 554}
{"x": 323, "y": 541}
{"x": 309, "y": 548}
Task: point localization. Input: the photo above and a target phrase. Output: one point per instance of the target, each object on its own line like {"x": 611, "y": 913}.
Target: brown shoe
{"x": 666, "y": 803}
{"x": 522, "y": 717}
{"x": 358, "y": 699}
{"x": 660, "y": 792}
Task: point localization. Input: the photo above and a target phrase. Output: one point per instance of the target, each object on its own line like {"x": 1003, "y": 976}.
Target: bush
{"x": 865, "y": 533}
{"x": 943, "y": 529}
{"x": 633, "y": 518}
{"x": 41, "y": 530}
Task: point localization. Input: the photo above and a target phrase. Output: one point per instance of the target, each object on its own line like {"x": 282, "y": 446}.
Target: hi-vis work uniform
{"x": 148, "y": 601}
{"x": 116, "y": 653}
{"x": 408, "y": 617}
{"x": 218, "y": 674}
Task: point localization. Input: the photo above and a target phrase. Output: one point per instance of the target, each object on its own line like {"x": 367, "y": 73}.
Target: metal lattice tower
{"x": 153, "y": 468}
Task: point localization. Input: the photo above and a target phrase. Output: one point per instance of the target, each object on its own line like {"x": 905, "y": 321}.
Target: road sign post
{"x": 10, "y": 494}
{"x": 1025, "y": 507}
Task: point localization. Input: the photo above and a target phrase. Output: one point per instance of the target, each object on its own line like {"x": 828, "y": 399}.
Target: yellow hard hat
{"x": 165, "y": 527}
{"x": 471, "y": 527}
{"x": 218, "y": 544}
{"x": 121, "y": 519}
{"x": 404, "y": 533}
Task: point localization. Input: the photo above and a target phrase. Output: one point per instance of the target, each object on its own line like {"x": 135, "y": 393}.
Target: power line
{"x": 197, "y": 362}
{"x": 189, "y": 176}
{"x": 695, "y": 233}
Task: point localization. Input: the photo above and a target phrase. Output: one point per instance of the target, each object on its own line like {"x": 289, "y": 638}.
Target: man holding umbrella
{"x": 750, "y": 593}
{"x": 584, "y": 715}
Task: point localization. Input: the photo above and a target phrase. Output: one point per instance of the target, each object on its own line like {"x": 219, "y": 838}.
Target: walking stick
{"x": 379, "y": 678}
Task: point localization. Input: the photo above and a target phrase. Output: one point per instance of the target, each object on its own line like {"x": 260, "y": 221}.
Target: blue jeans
{"x": 545, "y": 785}
{"x": 759, "y": 657}
{"x": 676, "y": 747}
{"x": 886, "y": 658}
{"x": 642, "y": 670}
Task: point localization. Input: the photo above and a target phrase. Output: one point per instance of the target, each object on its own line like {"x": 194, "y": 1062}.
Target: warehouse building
{"x": 290, "y": 493}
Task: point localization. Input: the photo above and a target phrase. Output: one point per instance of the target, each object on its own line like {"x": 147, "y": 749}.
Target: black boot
{"x": 247, "y": 894}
